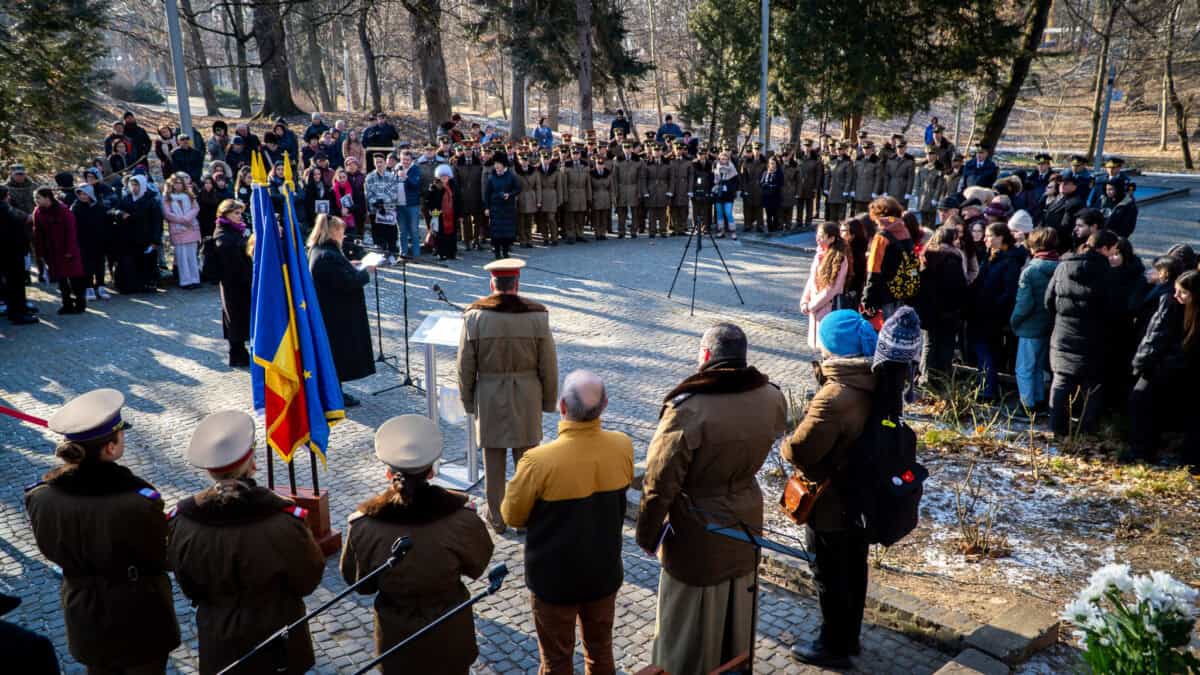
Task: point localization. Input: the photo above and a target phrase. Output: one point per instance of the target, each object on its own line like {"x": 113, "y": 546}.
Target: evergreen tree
{"x": 52, "y": 51}
{"x": 724, "y": 79}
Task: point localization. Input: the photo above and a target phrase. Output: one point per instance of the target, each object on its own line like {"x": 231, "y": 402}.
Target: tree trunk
{"x": 472, "y": 92}
{"x": 1162, "y": 114}
{"x": 795, "y": 127}
{"x": 1102, "y": 76}
{"x": 1035, "y": 25}
{"x": 1176, "y": 104}
{"x": 553, "y": 102}
{"x": 501, "y": 86}
{"x": 364, "y": 41}
{"x": 414, "y": 83}
{"x": 344, "y": 49}
{"x": 312, "y": 54}
{"x": 583, "y": 37}
{"x": 277, "y": 82}
{"x": 227, "y": 24}
{"x": 427, "y": 16}
{"x": 239, "y": 27}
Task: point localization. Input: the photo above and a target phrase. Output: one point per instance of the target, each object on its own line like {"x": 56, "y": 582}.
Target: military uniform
{"x": 527, "y": 202}
{"x": 811, "y": 179}
{"x": 900, "y": 170}
{"x": 629, "y": 178}
{"x": 787, "y": 193}
{"x": 550, "y": 192}
{"x": 449, "y": 541}
{"x": 106, "y": 529}
{"x": 657, "y": 185}
{"x": 752, "y": 168}
{"x": 839, "y": 184}
{"x": 507, "y": 376}
{"x": 681, "y": 181}
{"x": 468, "y": 176}
{"x": 868, "y": 180}
{"x": 579, "y": 195}
{"x": 243, "y": 555}
{"x": 603, "y": 192}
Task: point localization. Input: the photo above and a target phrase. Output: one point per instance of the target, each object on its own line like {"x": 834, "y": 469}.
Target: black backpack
{"x": 888, "y": 481}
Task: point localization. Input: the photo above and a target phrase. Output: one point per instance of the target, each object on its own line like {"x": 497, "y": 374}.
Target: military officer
{"x": 754, "y": 164}
{"x": 811, "y": 180}
{"x": 550, "y": 194}
{"x": 681, "y": 181}
{"x": 1112, "y": 173}
{"x": 657, "y": 185}
{"x": 868, "y": 178}
{"x": 603, "y": 190}
{"x": 578, "y": 195}
{"x": 105, "y": 528}
{"x": 468, "y": 175}
{"x": 629, "y": 179}
{"x": 900, "y": 172}
{"x": 527, "y": 200}
{"x": 507, "y": 374}
{"x": 860, "y": 149}
{"x": 701, "y": 189}
{"x": 242, "y": 554}
{"x": 448, "y": 542}
{"x": 839, "y": 184}
{"x": 787, "y": 191}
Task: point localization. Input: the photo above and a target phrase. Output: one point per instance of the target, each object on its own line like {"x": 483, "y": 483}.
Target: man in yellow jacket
{"x": 570, "y": 494}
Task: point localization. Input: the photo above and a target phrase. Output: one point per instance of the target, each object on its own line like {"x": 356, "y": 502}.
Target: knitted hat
{"x": 845, "y": 333}
{"x": 899, "y": 339}
{"x": 87, "y": 190}
{"x": 443, "y": 171}
{"x": 996, "y": 210}
{"x": 1021, "y": 221}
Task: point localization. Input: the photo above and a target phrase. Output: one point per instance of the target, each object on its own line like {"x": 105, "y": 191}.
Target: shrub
{"x": 143, "y": 92}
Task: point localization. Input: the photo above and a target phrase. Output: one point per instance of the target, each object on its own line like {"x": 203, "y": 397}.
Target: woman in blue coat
{"x": 500, "y": 206}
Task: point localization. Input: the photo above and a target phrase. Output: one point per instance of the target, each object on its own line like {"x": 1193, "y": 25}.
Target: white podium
{"x": 442, "y": 329}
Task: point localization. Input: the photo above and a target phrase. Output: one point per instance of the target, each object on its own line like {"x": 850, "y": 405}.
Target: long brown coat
{"x": 449, "y": 541}
{"x": 629, "y": 175}
{"x": 527, "y": 199}
{"x": 602, "y": 189}
{"x": 751, "y": 170}
{"x": 868, "y": 178}
{"x": 831, "y": 425}
{"x": 245, "y": 558}
{"x": 105, "y": 528}
{"x": 468, "y": 173}
{"x": 579, "y": 187}
{"x": 507, "y": 370}
{"x": 841, "y": 180}
{"x": 791, "y": 184}
{"x": 551, "y": 188}
{"x": 658, "y": 184}
{"x": 681, "y": 181}
{"x": 711, "y": 440}
{"x": 812, "y": 176}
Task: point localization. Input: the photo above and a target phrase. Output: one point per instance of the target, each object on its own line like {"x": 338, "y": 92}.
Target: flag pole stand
{"x": 316, "y": 502}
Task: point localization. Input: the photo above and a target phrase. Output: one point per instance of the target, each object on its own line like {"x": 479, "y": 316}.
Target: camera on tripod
{"x": 700, "y": 191}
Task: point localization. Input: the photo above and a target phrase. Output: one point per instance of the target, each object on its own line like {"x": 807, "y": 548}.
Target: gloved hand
{"x": 873, "y": 195}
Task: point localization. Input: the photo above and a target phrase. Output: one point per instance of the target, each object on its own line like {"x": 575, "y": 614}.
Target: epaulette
{"x": 296, "y": 511}
{"x": 354, "y": 516}
{"x": 31, "y": 486}
{"x": 173, "y": 512}
{"x": 150, "y": 493}
{"x": 680, "y": 399}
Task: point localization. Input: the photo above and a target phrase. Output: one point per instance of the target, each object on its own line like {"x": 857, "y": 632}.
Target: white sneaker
{"x": 103, "y": 293}
{"x": 91, "y": 295}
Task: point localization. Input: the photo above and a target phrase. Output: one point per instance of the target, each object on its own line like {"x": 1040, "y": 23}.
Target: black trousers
{"x": 835, "y": 212}
{"x": 385, "y": 236}
{"x": 72, "y": 291}
{"x": 1069, "y": 392}
{"x": 14, "y": 285}
{"x": 501, "y": 247}
{"x": 806, "y": 208}
{"x": 840, "y": 573}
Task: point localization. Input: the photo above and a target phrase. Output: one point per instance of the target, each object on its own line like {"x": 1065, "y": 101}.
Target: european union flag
{"x": 292, "y": 375}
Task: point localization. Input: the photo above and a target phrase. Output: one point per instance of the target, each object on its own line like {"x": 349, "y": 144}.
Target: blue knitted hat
{"x": 845, "y": 333}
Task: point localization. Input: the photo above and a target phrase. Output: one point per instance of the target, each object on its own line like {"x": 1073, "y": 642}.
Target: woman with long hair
{"x": 940, "y": 301}
{"x": 1031, "y": 321}
{"x": 242, "y": 189}
{"x": 854, "y": 233}
{"x": 343, "y": 198}
{"x": 236, "y": 270}
{"x": 725, "y": 187}
{"x": 771, "y": 183}
{"x": 826, "y": 280}
{"x": 339, "y": 284}
{"x": 181, "y": 209}
{"x": 449, "y": 539}
{"x": 999, "y": 277}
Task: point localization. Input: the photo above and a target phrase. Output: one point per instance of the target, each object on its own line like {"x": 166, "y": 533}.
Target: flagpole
{"x": 270, "y": 468}
{"x": 312, "y": 456}
{"x": 292, "y": 474}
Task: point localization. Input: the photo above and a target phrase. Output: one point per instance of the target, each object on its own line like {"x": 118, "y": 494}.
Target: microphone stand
{"x": 400, "y": 548}
{"x": 495, "y": 580}
{"x": 408, "y": 380}
{"x": 441, "y": 295}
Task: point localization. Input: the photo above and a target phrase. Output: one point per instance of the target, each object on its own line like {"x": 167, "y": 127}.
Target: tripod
{"x": 408, "y": 380}
{"x": 698, "y": 235}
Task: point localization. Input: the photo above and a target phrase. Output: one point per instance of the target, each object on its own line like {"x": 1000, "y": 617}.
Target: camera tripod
{"x": 698, "y": 234}
{"x": 408, "y": 380}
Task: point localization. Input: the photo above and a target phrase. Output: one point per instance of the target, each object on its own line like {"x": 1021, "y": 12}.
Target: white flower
{"x": 1085, "y": 614}
{"x": 1112, "y": 575}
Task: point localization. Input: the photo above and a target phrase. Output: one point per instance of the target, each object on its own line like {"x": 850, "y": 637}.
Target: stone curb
{"x": 769, "y": 243}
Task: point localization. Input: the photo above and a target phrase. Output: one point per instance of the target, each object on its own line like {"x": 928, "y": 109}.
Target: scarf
{"x": 1046, "y": 255}
{"x": 228, "y": 224}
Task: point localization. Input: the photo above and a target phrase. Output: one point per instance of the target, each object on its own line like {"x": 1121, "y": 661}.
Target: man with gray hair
{"x": 714, "y": 431}
{"x": 570, "y": 493}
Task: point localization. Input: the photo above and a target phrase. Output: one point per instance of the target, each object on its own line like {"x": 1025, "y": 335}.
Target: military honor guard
{"x": 754, "y": 164}
{"x": 579, "y": 194}
{"x": 629, "y": 178}
{"x": 681, "y": 180}
{"x": 810, "y": 180}
{"x": 243, "y": 555}
{"x": 449, "y": 541}
{"x": 655, "y": 197}
{"x": 551, "y": 188}
{"x": 603, "y": 187}
{"x": 106, "y": 529}
{"x": 839, "y": 184}
{"x": 507, "y": 375}
{"x": 868, "y": 178}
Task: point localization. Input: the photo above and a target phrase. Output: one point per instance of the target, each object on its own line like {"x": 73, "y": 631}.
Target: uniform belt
{"x": 707, "y": 491}
{"x": 511, "y": 373}
{"x": 132, "y": 573}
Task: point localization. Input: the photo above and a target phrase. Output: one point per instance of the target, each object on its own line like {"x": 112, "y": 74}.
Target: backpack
{"x": 906, "y": 282}
{"x": 888, "y": 481}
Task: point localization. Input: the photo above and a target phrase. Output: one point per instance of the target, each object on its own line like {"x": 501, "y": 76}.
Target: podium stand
{"x": 442, "y": 329}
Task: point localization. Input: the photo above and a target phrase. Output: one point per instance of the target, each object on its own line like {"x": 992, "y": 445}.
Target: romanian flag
{"x": 293, "y": 377}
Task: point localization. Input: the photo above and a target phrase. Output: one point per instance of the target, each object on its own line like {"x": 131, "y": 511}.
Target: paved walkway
{"x": 609, "y": 312}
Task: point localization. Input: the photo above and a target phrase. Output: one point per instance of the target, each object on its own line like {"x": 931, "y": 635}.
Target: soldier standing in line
{"x": 507, "y": 375}
{"x": 860, "y": 149}
{"x": 701, "y": 189}
{"x": 468, "y": 174}
{"x": 448, "y": 542}
{"x": 105, "y": 528}
{"x": 603, "y": 190}
{"x": 754, "y": 164}
{"x": 550, "y": 191}
{"x": 900, "y": 172}
{"x": 579, "y": 195}
{"x": 791, "y": 183}
{"x": 868, "y": 179}
{"x": 839, "y": 184}
{"x": 527, "y": 200}
{"x": 681, "y": 181}
{"x": 812, "y": 177}
{"x": 657, "y": 185}
{"x": 629, "y": 179}
{"x": 243, "y": 555}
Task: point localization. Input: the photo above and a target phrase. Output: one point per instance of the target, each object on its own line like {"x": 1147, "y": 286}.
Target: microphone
{"x": 496, "y": 577}
{"x": 441, "y": 295}
{"x": 401, "y": 546}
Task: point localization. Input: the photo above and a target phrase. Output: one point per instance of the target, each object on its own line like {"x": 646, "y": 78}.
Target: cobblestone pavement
{"x": 609, "y": 312}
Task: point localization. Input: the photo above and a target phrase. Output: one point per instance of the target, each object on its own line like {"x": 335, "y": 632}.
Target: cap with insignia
{"x": 93, "y": 415}
{"x": 939, "y": 129}
{"x": 1043, "y": 158}
{"x": 566, "y": 137}
{"x": 649, "y": 135}
{"x": 868, "y": 145}
{"x": 862, "y": 133}
{"x": 443, "y": 139}
{"x": 627, "y": 144}
{"x": 222, "y": 441}
{"x": 546, "y": 154}
{"x": 505, "y": 267}
{"x": 1078, "y": 159}
{"x": 430, "y": 146}
{"x": 1114, "y": 163}
{"x": 576, "y": 150}
{"x": 679, "y": 145}
{"x": 843, "y": 145}
{"x": 408, "y": 443}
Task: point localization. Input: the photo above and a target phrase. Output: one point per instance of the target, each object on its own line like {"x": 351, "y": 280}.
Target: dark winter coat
{"x": 237, "y": 271}
{"x": 105, "y": 528}
{"x": 344, "y": 308}
{"x": 983, "y": 175}
{"x": 189, "y": 161}
{"x": 14, "y": 240}
{"x": 140, "y": 141}
{"x": 502, "y": 211}
{"x": 999, "y": 278}
{"x": 449, "y": 542}
{"x": 92, "y": 232}
{"x": 1061, "y": 217}
{"x": 1029, "y": 317}
{"x": 868, "y": 178}
{"x": 208, "y": 202}
{"x": 1079, "y": 300}
{"x": 469, "y": 174}
{"x": 1160, "y": 356}
{"x": 245, "y": 558}
{"x": 811, "y": 176}
{"x": 943, "y": 293}
{"x": 1120, "y": 216}
{"x": 144, "y": 225}
{"x": 771, "y": 183}
{"x": 56, "y": 242}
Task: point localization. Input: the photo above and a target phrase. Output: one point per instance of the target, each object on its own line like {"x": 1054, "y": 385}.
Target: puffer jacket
{"x": 1160, "y": 354}
{"x": 999, "y": 276}
{"x": 943, "y": 291}
{"x": 1029, "y": 317}
{"x": 1080, "y": 300}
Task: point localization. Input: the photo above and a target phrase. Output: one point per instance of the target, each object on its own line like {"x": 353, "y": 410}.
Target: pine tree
{"x": 724, "y": 79}
{"x": 52, "y": 52}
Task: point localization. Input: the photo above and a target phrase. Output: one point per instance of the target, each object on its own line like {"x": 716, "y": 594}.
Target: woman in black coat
{"x": 940, "y": 301}
{"x": 139, "y": 234}
{"x": 1129, "y": 275}
{"x": 339, "y": 286}
{"x": 771, "y": 182}
{"x": 500, "y": 206}
{"x": 236, "y": 272}
{"x": 1160, "y": 366}
{"x": 999, "y": 276}
{"x": 854, "y": 233}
